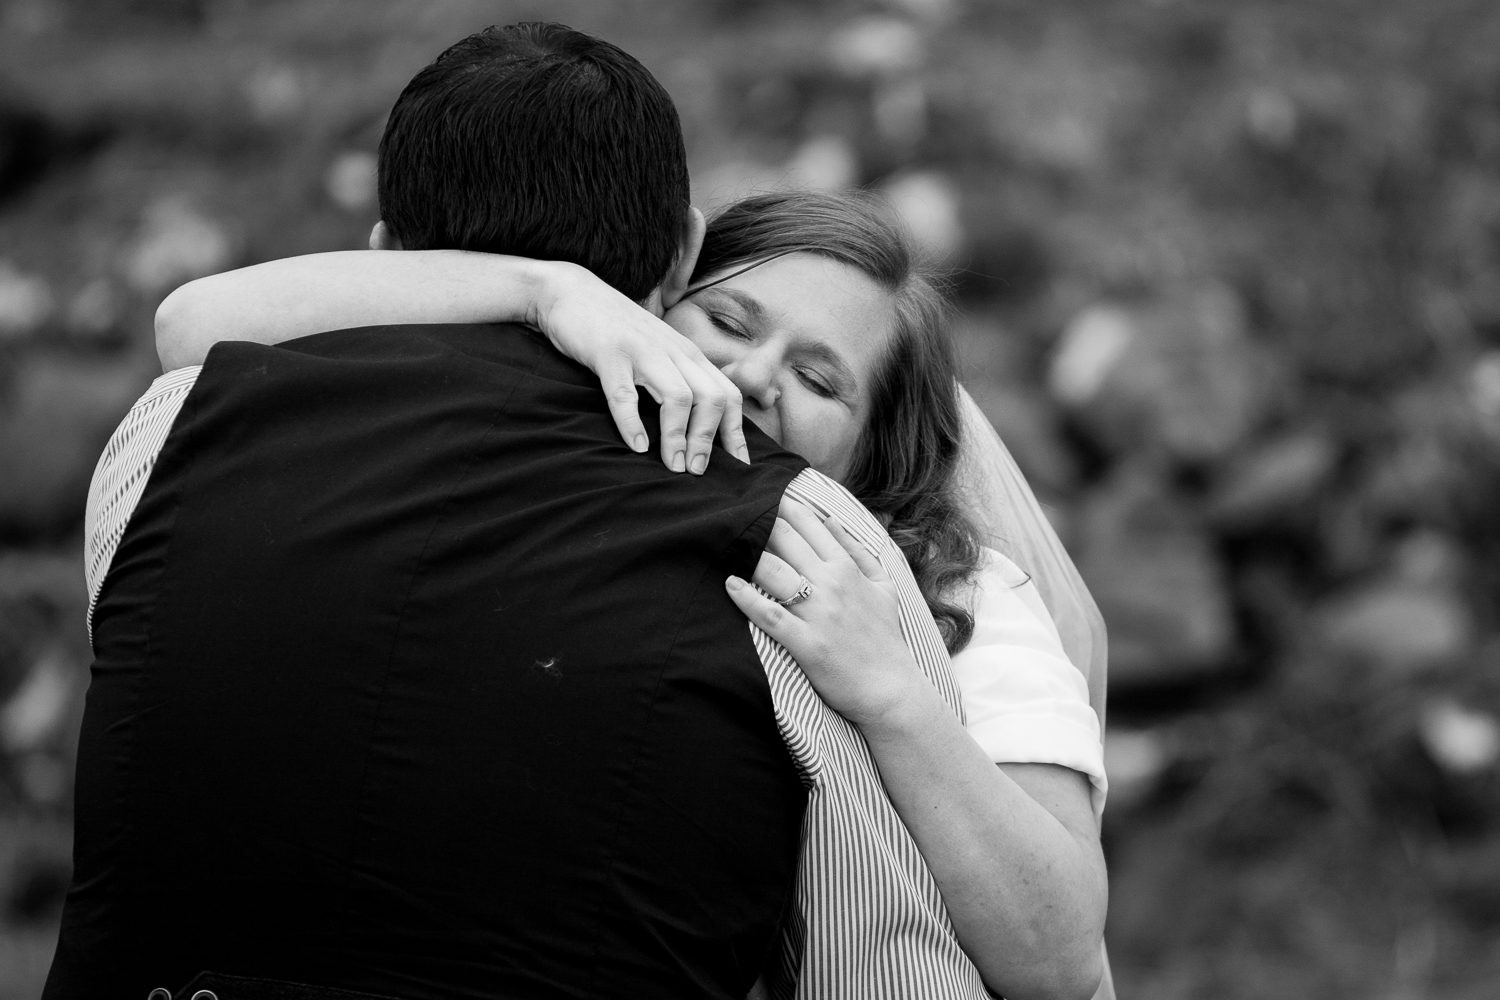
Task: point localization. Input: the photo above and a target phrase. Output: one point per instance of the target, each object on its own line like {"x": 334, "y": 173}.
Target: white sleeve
{"x": 1024, "y": 700}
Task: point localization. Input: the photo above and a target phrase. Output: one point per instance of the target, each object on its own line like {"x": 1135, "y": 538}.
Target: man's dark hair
{"x": 537, "y": 140}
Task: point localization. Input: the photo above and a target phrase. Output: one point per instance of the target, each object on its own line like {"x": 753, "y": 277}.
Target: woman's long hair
{"x": 905, "y": 459}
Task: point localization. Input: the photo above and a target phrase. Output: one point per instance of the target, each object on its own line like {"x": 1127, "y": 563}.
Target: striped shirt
{"x": 868, "y": 921}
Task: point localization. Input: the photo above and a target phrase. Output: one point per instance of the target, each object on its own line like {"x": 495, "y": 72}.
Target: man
{"x": 410, "y": 680}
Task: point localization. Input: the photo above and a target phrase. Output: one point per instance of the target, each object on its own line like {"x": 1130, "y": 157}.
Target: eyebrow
{"x": 842, "y": 375}
{"x": 744, "y": 300}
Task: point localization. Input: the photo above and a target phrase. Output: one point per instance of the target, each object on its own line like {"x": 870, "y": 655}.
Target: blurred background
{"x": 1231, "y": 274}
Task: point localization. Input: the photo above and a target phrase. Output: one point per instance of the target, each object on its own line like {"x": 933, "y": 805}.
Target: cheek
{"x": 695, "y": 328}
{"x": 822, "y": 432}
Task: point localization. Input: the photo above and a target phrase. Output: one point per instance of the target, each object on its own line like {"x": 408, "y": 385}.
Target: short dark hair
{"x": 537, "y": 140}
{"x": 905, "y": 461}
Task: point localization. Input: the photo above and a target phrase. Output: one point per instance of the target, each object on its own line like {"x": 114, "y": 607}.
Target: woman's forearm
{"x": 1016, "y": 855}
{"x": 297, "y": 296}
{"x": 625, "y": 345}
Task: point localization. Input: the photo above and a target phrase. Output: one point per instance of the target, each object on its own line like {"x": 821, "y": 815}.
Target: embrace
{"x": 434, "y": 661}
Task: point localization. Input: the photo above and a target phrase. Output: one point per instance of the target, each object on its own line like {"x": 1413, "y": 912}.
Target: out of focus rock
{"x": 1395, "y": 625}
{"x": 1413, "y": 616}
{"x": 1484, "y": 392}
{"x": 1094, "y": 344}
{"x": 1069, "y": 143}
{"x": 998, "y": 371}
{"x": 824, "y": 163}
{"x": 928, "y": 204}
{"x": 34, "y": 714}
{"x": 42, "y": 606}
{"x": 176, "y": 243}
{"x": 1271, "y": 116}
{"x": 899, "y": 110}
{"x": 1422, "y": 464}
{"x": 26, "y": 301}
{"x": 96, "y": 313}
{"x": 193, "y": 12}
{"x": 350, "y": 181}
{"x": 1175, "y": 375}
{"x": 31, "y": 18}
{"x": 719, "y": 184}
{"x": 40, "y": 879}
{"x": 930, "y": 11}
{"x": 1153, "y": 570}
{"x": 877, "y": 45}
{"x": 1029, "y": 429}
{"x": 59, "y": 414}
{"x": 275, "y": 93}
{"x": 1276, "y": 479}
{"x": 1460, "y": 739}
{"x": 45, "y": 778}
{"x": 1135, "y": 760}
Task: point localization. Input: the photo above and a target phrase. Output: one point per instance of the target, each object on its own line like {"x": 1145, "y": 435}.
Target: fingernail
{"x": 734, "y": 583}
{"x": 743, "y": 454}
{"x": 678, "y": 462}
{"x": 639, "y": 442}
{"x": 700, "y": 462}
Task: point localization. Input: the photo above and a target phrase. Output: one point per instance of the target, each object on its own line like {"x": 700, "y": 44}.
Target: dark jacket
{"x": 411, "y": 678}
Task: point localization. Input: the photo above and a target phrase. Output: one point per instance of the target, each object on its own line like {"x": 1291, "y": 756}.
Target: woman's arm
{"x": 587, "y": 320}
{"x": 1014, "y": 850}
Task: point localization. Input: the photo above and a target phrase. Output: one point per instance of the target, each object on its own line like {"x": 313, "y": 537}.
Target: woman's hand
{"x": 626, "y": 346}
{"x": 1014, "y": 850}
{"x": 846, "y": 633}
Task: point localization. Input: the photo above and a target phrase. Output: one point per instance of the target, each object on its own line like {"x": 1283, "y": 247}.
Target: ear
{"x": 381, "y": 238}
{"x": 690, "y": 242}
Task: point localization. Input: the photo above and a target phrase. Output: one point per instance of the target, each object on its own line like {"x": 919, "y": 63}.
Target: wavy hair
{"x": 906, "y": 456}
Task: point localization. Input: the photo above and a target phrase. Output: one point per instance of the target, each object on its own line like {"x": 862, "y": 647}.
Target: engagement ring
{"x": 803, "y": 593}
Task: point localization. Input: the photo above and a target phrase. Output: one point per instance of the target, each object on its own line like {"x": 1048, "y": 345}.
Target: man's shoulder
{"x": 445, "y": 355}
{"x": 399, "y": 340}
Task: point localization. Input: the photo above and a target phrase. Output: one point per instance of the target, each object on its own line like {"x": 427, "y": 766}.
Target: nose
{"x": 754, "y": 374}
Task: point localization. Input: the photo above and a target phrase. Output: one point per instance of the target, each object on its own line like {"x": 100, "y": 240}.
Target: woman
{"x": 832, "y": 339}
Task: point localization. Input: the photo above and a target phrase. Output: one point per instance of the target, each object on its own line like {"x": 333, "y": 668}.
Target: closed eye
{"x": 815, "y": 381}
{"x": 727, "y": 324}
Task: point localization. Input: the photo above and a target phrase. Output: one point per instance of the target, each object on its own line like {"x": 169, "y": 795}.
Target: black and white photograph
{"x": 749, "y": 500}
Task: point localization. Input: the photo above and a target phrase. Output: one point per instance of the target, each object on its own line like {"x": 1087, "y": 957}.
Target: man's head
{"x": 540, "y": 141}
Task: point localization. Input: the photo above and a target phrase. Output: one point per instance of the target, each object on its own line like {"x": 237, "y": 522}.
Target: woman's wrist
{"x": 906, "y": 712}
{"x": 546, "y": 284}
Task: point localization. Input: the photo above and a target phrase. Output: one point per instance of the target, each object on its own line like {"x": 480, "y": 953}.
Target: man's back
{"x": 490, "y": 723}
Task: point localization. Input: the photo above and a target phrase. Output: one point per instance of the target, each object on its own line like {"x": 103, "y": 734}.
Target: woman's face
{"x": 801, "y": 337}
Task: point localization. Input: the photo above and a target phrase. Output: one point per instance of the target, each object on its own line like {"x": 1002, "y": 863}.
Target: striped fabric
{"x": 868, "y": 921}
{"x": 120, "y": 477}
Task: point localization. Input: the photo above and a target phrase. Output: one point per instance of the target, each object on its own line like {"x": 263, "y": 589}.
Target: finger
{"x": 709, "y": 401}
{"x": 625, "y": 406}
{"x": 731, "y": 425}
{"x": 789, "y": 544}
{"x": 664, "y": 381}
{"x": 808, "y": 524}
{"x": 866, "y": 560}
{"x": 776, "y": 576}
{"x": 732, "y": 428}
{"x": 776, "y": 621}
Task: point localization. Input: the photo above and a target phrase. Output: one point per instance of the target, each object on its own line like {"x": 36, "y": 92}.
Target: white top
{"x": 1024, "y": 702}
